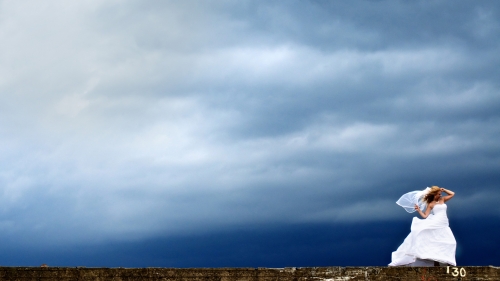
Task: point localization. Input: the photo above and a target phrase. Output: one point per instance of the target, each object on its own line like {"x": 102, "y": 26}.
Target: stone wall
{"x": 252, "y": 274}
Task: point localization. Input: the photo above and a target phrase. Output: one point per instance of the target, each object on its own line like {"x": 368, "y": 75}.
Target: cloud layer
{"x": 123, "y": 120}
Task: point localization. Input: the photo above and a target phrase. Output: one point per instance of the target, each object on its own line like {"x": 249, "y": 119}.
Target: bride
{"x": 430, "y": 238}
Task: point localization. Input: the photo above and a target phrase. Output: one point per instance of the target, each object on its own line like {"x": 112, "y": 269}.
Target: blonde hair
{"x": 429, "y": 197}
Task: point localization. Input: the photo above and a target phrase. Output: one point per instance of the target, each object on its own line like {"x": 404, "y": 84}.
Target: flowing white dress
{"x": 429, "y": 239}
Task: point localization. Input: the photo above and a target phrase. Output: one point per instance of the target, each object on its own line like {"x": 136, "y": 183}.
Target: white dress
{"x": 429, "y": 239}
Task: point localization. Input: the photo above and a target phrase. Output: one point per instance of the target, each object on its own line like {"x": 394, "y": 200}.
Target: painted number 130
{"x": 455, "y": 271}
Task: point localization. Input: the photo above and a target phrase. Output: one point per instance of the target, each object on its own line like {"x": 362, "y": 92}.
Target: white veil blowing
{"x": 410, "y": 199}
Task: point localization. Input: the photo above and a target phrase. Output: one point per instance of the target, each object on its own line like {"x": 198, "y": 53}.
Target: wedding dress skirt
{"x": 429, "y": 239}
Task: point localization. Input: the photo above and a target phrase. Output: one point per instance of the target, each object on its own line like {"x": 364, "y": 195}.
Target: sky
{"x": 244, "y": 133}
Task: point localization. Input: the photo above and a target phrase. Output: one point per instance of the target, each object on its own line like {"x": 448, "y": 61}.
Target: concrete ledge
{"x": 251, "y": 274}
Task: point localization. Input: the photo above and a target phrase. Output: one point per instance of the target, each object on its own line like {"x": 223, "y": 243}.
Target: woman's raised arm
{"x": 449, "y": 192}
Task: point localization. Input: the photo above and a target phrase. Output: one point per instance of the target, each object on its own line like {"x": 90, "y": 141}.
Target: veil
{"x": 410, "y": 199}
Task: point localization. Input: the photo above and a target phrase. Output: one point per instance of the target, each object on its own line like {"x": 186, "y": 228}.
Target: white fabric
{"x": 429, "y": 239}
{"x": 419, "y": 263}
{"x": 410, "y": 199}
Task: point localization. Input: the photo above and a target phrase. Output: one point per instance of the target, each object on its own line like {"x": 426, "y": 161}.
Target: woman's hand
{"x": 449, "y": 196}
{"x": 417, "y": 207}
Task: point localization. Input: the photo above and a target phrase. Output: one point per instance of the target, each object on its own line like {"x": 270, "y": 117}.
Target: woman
{"x": 430, "y": 238}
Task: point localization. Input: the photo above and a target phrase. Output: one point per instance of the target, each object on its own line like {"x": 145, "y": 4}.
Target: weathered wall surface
{"x": 252, "y": 274}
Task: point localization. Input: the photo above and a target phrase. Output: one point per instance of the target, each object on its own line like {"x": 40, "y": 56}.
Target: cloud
{"x": 126, "y": 120}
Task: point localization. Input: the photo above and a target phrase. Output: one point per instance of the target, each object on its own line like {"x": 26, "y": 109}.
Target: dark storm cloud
{"x": 123, "y": 122}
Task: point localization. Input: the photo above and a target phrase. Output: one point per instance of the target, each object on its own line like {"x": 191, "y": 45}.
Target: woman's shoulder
{"x": 432, "y": 204}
